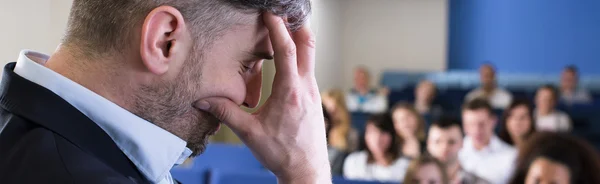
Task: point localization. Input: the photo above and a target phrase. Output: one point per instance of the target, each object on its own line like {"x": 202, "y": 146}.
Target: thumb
{"x": 227, "y": 111}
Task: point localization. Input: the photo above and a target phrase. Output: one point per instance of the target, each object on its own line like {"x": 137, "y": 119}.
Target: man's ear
{"x": 163, "y": 35}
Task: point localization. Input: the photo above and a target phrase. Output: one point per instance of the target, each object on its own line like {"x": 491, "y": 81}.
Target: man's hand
{"x": 287, "y": 134}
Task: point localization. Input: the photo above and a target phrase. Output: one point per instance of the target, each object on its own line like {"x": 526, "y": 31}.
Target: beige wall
{"x": 326, "y": 24}
{"x": 31, "y": 24}
{"x": 408, "y": 35}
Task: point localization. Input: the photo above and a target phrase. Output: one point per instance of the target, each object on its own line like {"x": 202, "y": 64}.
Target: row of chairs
{"x": 230, "y": 164}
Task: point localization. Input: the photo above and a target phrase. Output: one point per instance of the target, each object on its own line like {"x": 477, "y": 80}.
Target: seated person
{"x": 426, "y": 170}
{"x": 381, "y": 160}
{"x": 444, "y": 141}
{"x": 341, "y": 136}
{"x": 518, "y": 123}
{"x": 489, "y": 90}
{"x": 558, "y": 159}
{"x": 424, "y": 96}
{"x": 570, "y": 93}
{"x": 363, "y": 98}
{"x": 410, "y": 129}
{"x": 548, "y": 118}
{"x": 483, "y": 153}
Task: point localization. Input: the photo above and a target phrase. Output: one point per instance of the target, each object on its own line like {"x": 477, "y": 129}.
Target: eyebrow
{"x": 263, "y": 55}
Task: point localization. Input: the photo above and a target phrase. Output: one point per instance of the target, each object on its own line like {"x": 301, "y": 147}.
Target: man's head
{"x": 479, "y": 121}
{"x": 445, "y": 139}
{"x": 546, "y": 98}
{"x": 425, "y": 91}
{"x": 487, "y": 75}
{"x": 164, "y": 55}
{"x": 569, "y": 78}
{"x": 361, "y": 78}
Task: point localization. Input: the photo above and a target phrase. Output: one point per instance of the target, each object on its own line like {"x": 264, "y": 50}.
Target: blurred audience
{"x": 557, "y": 159}
{"x": 381, "y": 160}
{"x": 483, "y": 153}
{"x": 489, "y": 90}
{"x": 410, "y": 129}
{"x": 426, "y": 170}
{"x": 570, "y": 92}
{"x": 336, "y": 156}
{"x": 424, "y": 99}
{"x": 548, "y": 118}
{"x": 444, "y": 141}
{"x": 341, "y": 136}
{"x": 517, "y": 123}
{"x": 364, "y": 98}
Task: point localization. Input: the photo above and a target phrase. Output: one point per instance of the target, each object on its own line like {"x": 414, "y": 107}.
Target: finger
{"x": 283, "y": 46}
{"x": 305, "y": 44}
{"x": 228, "y": 112}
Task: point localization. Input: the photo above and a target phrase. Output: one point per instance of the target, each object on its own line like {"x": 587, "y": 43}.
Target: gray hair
{"x": 98, "y": 27}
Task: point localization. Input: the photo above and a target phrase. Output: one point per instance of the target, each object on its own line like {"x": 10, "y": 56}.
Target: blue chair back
{"x": 241, "y": 176}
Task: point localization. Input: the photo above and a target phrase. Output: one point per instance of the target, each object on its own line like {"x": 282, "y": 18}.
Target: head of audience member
{"x": 408, "y": 122}
{"x": 569, "y": 79}
{"x": 479, "y": 121}
{"x": 425, "y": 93}
{"x": 444, "y": 140}
{"x": 487, "y": 75}
{"x": 558, "y": 159}
{"x": 518, "y": 122}
{"x": 334, "y": 102}
{"x": 426, "y": 170}
{"x": 546, "y": 99}
{"x": 362, "y": 79}
{"x": 380, "y": 139}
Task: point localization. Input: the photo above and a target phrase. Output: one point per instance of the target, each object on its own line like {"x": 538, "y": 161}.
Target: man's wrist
{"x": 320, "y": 175}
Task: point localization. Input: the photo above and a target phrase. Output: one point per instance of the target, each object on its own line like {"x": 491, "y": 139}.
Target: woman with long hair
{"x": 341, "y": 135}
{"x": 380, "y": 161}
{"x": 557, "y": 158}
{"x": 517, "y": 122}
{"x": 410, "y": 129}
{"x": 426, "y": 170}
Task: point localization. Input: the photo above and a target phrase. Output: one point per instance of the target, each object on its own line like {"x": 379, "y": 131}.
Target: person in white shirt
{"x": 381, "y": 160}
{"x": 548, "y": 118}
{"x": 363, "y": 98}
{"x": 570, "y": 93}
{"x": 444, "y": 141}
{"x": 483, "y": 153}
{"x": 499, "y": 98}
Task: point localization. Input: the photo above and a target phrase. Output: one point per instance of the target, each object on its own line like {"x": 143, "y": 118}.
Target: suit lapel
{"x": 41, "y": 106}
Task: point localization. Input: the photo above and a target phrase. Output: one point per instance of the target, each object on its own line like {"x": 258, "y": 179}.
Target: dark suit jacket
{"x": 43, "y": 139}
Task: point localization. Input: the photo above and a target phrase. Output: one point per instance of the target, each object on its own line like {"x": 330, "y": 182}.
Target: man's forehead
{"x": 436, "y": 131}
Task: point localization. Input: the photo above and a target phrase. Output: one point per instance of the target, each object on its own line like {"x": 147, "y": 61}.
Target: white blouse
{"x": 357, "y": 168}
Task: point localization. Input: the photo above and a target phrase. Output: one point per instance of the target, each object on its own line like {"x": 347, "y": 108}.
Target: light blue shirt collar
{"x": 153, "y": 150}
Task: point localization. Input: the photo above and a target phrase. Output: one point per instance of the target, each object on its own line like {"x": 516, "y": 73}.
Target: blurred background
{"x": 389, "y": 47}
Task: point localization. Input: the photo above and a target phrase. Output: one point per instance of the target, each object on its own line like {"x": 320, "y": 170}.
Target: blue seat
{"x": 217, "y": 156}
{"x": 241, "y": 176}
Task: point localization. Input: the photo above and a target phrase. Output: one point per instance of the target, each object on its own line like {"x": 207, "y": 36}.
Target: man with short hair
{"x": 138, "y": 86}
{"x": 499, "y": 98}
{"x": 570, "y": 92}
{"x": 444, "y": 141}
{"x": 483, "y": 153}
{"x": 362, "y": 97}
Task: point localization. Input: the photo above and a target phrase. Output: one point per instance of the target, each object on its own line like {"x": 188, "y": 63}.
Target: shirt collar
{"x": 153, "y": 150}
{"x": 495, "y": 145}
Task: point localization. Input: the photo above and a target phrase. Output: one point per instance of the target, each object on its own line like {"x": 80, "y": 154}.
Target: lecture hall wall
{"x": 532, "y": 36}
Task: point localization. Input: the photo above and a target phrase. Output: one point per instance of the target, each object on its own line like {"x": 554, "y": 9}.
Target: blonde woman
{"x": 410, "y": 129}
{"x": 341, "y": 134}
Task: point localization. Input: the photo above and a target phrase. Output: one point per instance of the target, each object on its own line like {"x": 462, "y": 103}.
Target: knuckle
{"x": 309, "y": 40}
{"x": 221, "y": 112}
{"x": 289, "y": 50}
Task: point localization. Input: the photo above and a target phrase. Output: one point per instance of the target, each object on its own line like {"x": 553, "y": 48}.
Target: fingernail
{"x": 203, "y": 105}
